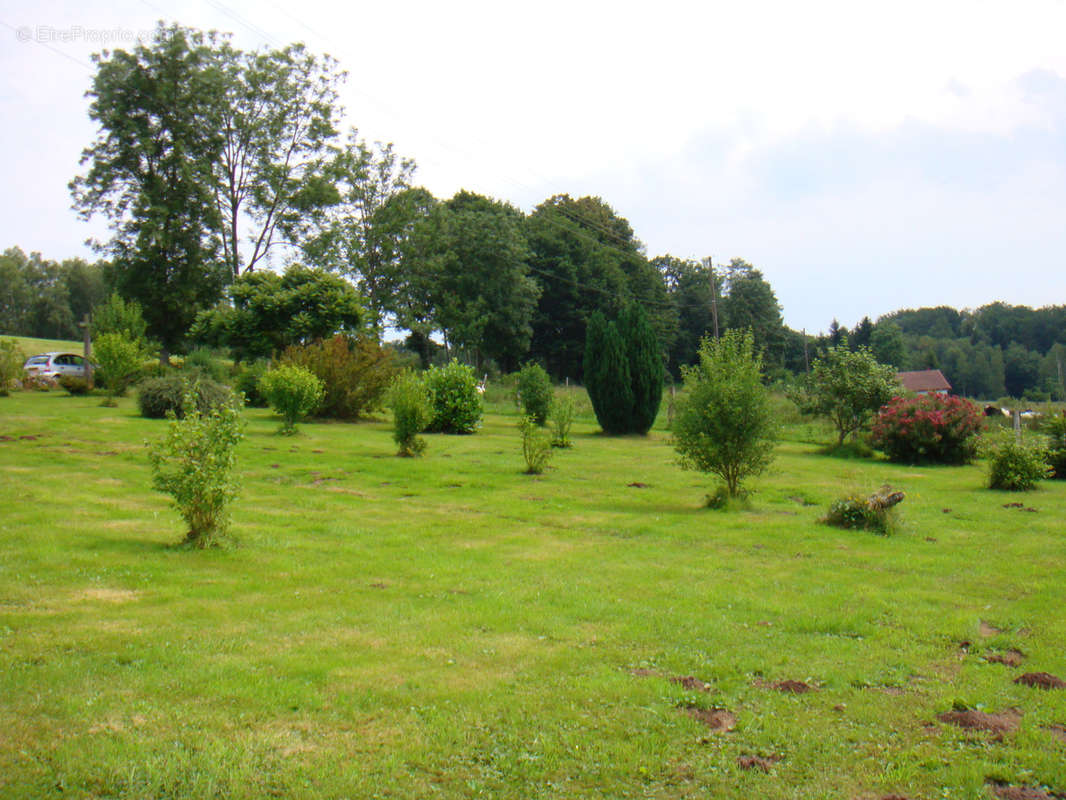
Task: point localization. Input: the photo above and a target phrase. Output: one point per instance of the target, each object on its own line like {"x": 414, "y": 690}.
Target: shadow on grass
{"x": 132, "y": 546}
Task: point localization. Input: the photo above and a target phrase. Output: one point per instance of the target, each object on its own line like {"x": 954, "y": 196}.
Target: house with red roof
{"x": 926, "y": 381}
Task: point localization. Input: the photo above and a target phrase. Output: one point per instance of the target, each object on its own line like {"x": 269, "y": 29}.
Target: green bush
{"x": 293, "y": 392}
{"x": 1054, "y": 428}
{"x": 646, "y": 368}
{"x": 562, "y": 418}
{"x": 247, "y": 383}
{"x": 453, "y": 391}
{"x": 725, "y": 424}
{"x": 1016, "y": 465}
{"x": 534, "y": 389}
{"x": 858, "y": 512}
{"x": 119, "y": 362}
{"x": 355, "y": 373}
{"x": 157, "y": 396}
{"x": 536, "y": 449}
{"x": 194, "y": 463}
{"x": 11, "y": 361}
{"x": 203, "y": 361}
{"x": 74, "y": 385}
{"x": 411, "y": 412}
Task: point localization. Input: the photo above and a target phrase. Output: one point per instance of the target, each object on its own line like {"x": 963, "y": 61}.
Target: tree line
{"x": 212, "y": 164}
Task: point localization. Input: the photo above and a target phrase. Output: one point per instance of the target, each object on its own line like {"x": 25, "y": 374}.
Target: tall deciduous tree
{"x": 276, "y": 117}
{"x": 470, "y": 267}
{"x": 150, "y": 173}
{"x": 751, "y": 304}
{"x": 363, "y": 234}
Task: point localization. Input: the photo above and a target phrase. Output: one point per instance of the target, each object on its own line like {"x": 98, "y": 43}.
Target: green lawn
{"x": 449, "y": 627}
{"x": 32, "y": 347}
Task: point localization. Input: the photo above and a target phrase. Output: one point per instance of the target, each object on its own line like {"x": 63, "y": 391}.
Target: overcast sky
{"x": 866, "y": 157}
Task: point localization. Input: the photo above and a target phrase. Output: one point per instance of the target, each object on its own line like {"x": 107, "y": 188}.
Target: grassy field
{"x": 32, "y": 347}
{"x": 449, "y": 627}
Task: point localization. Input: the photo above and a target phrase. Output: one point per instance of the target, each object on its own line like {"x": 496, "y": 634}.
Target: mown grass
{"x": 450, "y": 627}
{"x": 31, "y": 347}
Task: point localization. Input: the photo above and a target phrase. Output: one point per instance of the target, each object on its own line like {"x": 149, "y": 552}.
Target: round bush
{"x": 293, "y": 392}
{"x": 157, "y": 396}
{"x": 1017, "y": 465}
{"x": 928, "y": 429}
{"x": 535, "y": 392}
{"x": 453, "y": 391}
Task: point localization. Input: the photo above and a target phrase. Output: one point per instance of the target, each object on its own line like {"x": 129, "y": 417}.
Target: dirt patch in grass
{"x": 691, "y": 683}
{"x": 786, "y": 687}
{"x": 105, "y": 595}
{"x": 1004, "y": 722}
{"x": 637, "y": 485}
{"x": 988, "y": 631}
{"x": 1041, "y": 680}
{"x": 1012, "y": 658}
{"x": 718, "y": 720}
{"x": 757, "y": 762}
{"x": 1004, "y": 791}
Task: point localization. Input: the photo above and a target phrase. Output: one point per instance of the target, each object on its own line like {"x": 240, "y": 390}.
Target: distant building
{"x": 926, "y": 381}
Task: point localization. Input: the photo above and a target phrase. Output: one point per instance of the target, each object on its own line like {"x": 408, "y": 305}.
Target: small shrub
{"x": 725, "y": 423}
{"x": 194, "y": 463}
{"x": 203, "y": 361}
{"x": 562, "y": 418}
{"x": 11, "y": 361}
{"x": 119, "y": 361}
{"x": 536, "y": 449}
{"x": 157, "y": 396}
{"x": 876, "y": 512}
{"x": 293, "y": 392}
{"x": 247, "y": 383}
{"x": 74, "y": 385}
{"x": 355, "y": 372}
{"x": 1055, "y": 430}
{"x": 534, "y": 389}
{"x": 411, "y": 413}
{"x": 453, "y": 391}
{"x": 928, "y": 429}
{"x": 1016, "y": 465}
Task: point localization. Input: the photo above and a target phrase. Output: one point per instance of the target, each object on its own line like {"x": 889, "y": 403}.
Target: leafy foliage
{"x": 534, "y": 389}
{"x": 1016, "y": 465}
{"x": 412, "y": 412}
{"x": 293, "y": 392}
{"x": 355, "y": 372}
{"x": 724, "y": 423}
{"x": 119, "y": 361}
{"x": 74, "y": 385}
{"x": 117, "y": 315}
{"x": 930, "y": 428}
{"x": 1055, "y": 430}
{"x": 271, "y": 312}
{"x": 848, "y": 386}
{"x": 158, "y": 397}
{"x": 247, "y": 383}
{"x": 457, "y": 405}
{"x": 858, "y": 512}
{"x": 536, "y": 447}
{"x": 11, "y": 361}
{"x": 561, "y": 419}
{"x": 195, "y": 462}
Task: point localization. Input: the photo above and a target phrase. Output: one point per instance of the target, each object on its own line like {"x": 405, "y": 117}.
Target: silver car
{"x": 54, "y": 366}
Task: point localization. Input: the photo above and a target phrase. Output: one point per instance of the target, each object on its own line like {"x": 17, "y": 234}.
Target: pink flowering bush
{"x": 929, "y": 429}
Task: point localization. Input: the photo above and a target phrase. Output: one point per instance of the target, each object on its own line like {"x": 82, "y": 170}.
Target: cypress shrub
{"x": 645, "y": 367}
{"x": 607, "y": 369}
